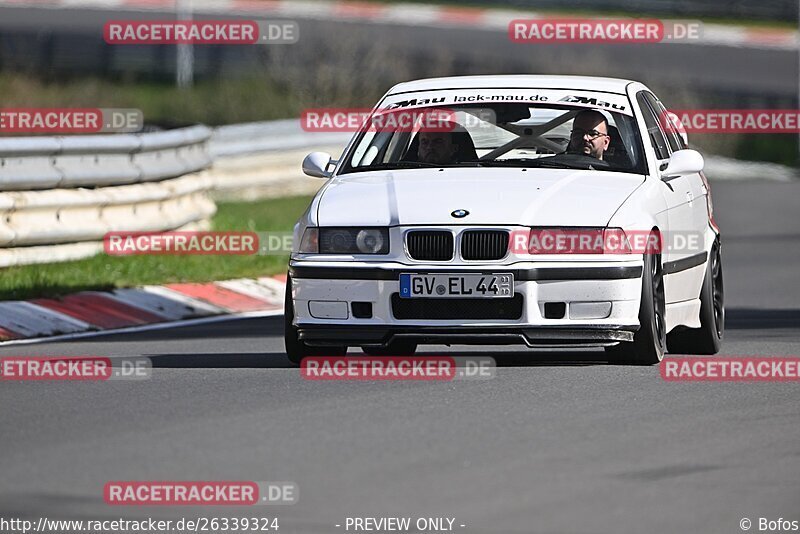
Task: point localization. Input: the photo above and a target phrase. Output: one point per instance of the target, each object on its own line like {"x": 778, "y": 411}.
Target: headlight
{"x": 354, "y": 240}
{"x": 578, "y": 241}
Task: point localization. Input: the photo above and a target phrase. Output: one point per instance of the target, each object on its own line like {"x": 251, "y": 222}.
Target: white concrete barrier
{"x": 60, "y": 195}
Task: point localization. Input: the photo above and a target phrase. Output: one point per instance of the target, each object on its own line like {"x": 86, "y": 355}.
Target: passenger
{"x": 446, "y": 147}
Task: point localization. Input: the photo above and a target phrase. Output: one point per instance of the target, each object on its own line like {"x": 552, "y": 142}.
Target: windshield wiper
{"x": 538, "y": 162}
{"x": 398, "y": 165}
{"x": 549, "y": 163}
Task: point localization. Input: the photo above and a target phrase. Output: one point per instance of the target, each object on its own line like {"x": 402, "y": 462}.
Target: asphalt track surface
{"x": 693, "y": 71}
{"x": 556, "y": 442}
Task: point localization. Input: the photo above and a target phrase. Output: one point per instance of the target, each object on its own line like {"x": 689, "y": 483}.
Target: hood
{"x": 503, "y": 196}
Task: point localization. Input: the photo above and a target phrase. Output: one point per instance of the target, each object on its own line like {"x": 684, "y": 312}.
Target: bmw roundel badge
{"x": 459, "y": 214}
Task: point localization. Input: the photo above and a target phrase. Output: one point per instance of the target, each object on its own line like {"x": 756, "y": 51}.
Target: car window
{"x": 657, "y": 138}
{"x": 673, "y": 138}
{"x": 509, "y": 134}
{"x": 367, "y": 145}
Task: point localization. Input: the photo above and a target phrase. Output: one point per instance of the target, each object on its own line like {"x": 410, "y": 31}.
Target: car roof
{"x": 585, "y": 83}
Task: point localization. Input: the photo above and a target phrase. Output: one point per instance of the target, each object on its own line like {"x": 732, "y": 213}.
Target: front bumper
{"x": 532, "y": 336}
{"x": 600, "y": 302}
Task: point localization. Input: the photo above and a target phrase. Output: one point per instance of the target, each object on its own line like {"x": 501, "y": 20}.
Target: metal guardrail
{"x": 36, "y": 163}
{"x": 262, "y": 159}
{"x": 268, "y": 136}
{"x": 68, "y": 192}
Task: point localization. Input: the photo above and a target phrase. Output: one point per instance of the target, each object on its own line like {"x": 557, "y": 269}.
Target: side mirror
{"x": 683, "y": 163}
{"x": 316, "y": 165}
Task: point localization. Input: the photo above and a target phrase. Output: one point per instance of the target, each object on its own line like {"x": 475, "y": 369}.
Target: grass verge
{"x": 212, "y": 102}
{"x": 108, "y": 272}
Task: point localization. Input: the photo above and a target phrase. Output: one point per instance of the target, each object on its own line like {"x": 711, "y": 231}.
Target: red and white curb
{"x": 142, "y": 308}
{"x": 407, "y": 14}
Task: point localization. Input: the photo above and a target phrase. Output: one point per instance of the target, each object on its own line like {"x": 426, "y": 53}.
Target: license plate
{"x": 454, "y": 286}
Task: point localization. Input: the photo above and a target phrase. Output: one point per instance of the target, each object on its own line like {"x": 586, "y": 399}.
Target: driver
{"x": 589, "y": 135}
{"x": 445, "y": 147}
{"x": 437, "y": 147}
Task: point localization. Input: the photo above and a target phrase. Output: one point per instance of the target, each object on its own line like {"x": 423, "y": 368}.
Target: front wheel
{"x": 650, "y": 340}
{"x": 296, "y": 350}
{"x": 708, "y": 338}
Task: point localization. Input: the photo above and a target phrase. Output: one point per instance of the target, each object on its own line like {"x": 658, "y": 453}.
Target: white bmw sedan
{"x": 548, "y": 211}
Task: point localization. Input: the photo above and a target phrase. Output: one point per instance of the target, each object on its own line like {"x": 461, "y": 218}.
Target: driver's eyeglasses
{"x": 593, "y": 134}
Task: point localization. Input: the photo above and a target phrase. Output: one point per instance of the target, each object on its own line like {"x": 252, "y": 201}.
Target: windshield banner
{"x": 564, "y": 97}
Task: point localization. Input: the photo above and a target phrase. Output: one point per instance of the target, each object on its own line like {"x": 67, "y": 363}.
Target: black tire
{"x": 708, "y": 338}
{"x": 296, "y": 350}
{"x": 395, "y": 348}
{"x": 650, "y": 341}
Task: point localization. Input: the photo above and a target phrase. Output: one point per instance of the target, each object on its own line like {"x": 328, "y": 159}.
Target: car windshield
{"x": 507, "y": 134}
